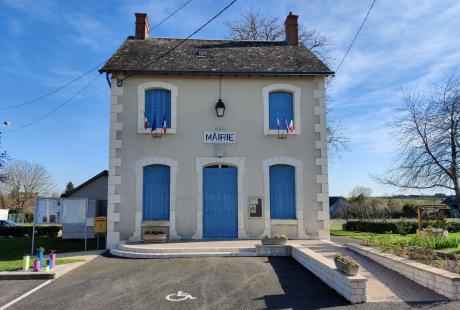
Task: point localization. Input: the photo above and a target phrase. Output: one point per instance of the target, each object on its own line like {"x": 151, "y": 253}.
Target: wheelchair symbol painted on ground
{"x": 180, "y": 296}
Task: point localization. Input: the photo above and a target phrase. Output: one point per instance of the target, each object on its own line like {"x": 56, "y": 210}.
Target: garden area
{"x": 400, "y": 238}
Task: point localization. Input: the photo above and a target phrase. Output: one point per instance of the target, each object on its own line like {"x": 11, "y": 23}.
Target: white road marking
{"x": 26, "y": 294}
{"x": 183, "y": 296}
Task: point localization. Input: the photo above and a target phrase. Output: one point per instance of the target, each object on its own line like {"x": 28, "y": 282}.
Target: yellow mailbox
{"x": 100, "y": 225}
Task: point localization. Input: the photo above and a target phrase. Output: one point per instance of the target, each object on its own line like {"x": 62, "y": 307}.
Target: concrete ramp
{"x": 383, "y": 285}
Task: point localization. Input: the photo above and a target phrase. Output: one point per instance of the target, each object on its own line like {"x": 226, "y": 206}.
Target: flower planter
{"x": 274, "y": 241}
{"x": 350, "y": 270}
{"x": 25, "y": 262}
{"x": 53, "y": 260}
{"x": 154, "y": 237}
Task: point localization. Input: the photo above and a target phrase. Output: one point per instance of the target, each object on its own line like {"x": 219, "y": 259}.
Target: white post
{"x": 86, "y": 225}
{"x": 33, "y": 228}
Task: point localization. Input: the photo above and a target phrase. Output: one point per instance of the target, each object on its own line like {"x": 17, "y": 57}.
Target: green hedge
{"x": 21, "y": 231}
{"x": 452, "y": 226}
{"x": 400, "y": 227}
{"x": 382, "y": 227}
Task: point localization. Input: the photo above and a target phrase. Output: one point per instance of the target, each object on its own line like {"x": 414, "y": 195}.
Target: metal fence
{"x": 19, "y": 218}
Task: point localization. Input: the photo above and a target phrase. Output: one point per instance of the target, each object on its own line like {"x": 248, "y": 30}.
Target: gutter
{"x": 209, "y": 73}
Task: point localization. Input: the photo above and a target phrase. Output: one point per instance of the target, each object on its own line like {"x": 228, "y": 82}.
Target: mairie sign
{"x": 219, "y": 137}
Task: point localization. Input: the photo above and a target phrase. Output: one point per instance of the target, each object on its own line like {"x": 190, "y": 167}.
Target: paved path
{"x": 384, "y": 285}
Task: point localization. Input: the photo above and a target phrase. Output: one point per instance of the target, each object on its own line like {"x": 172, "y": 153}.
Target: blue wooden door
{"x": 156, "y": 193}
{"x": 282, "y": 192}
{"x": 220, "y": 206}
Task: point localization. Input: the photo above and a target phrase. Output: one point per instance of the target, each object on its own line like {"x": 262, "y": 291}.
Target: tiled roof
{"x": 218, "y": 57}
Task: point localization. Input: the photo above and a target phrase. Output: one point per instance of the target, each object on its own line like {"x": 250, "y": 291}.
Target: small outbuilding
{"x": 95, "y": 190}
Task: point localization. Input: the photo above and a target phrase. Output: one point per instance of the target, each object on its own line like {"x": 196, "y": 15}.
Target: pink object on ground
{"x": 36, "y": 266}
{"x": 53, "y": 260}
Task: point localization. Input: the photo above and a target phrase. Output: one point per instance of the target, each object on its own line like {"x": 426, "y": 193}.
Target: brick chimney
{"x": 142, "y": 26}
{"x": 291, "y": 28}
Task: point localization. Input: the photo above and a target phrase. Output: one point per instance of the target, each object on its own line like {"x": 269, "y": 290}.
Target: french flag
{"x": 278, "y": 125}
{"x": 146, "y": 122}
{"x": 291, "y": 126}
{"x": 286, "y": 125}
{"x": 164, "y": 124}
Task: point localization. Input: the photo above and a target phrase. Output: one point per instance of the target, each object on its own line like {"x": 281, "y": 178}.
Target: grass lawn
{"x": 379, "y": 239}
{"x": 11, "y": 265}
{"x": 12, "y": 249}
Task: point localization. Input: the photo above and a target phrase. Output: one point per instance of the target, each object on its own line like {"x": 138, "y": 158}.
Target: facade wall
{"x": 244, "y": 114}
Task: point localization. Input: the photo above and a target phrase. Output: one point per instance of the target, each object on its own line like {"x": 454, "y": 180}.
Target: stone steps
{"x": 128, "y": 248}
{"x": 146, "y": 251}
{"x": 183, "y": 253}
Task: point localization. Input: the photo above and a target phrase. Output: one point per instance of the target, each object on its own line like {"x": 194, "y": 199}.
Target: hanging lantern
{"x": 220, "y": 108}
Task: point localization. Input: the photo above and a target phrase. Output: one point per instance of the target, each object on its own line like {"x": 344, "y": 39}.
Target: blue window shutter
{"x": 155, "y": 196}
{"x": 281, "y": 105}
{"x": 158, "y": 105}
{"x": 282, "y": 192}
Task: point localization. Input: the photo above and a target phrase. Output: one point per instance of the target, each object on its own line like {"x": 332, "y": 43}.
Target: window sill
{"x": 274, "y": 132}
{"x": 148, "y": 131}
{"x": 284, "y": 222}
{"x": 154, "y": 223}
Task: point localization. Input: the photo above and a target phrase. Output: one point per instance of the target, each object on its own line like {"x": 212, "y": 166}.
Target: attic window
{"x": 201, "y": 53}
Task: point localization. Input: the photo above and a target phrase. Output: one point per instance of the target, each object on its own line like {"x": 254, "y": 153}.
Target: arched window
{"x": 158, "y": 107}
{"x": 281, "y": 109}
{"x": 282, "y": 192}
{"x": 281, "y": 103}
{"x": 157, "y": 100}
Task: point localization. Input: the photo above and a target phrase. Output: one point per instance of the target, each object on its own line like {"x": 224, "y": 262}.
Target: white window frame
{"x": 296, "y": 92}
{"x": 141, "y": 89}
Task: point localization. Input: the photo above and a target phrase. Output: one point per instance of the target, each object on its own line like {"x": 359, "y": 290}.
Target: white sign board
{"x": 47, "y": 210}
{"x": 220, "y": 137}
{"x": 4, "y": 214}
{"x": 74, "y": 211}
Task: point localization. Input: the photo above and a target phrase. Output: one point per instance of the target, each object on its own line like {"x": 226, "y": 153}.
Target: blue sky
{"x": 47, "y": 43}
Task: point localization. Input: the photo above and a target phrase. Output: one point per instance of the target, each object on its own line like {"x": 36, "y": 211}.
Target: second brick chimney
{"x": 292, "y": 29}
{"x": 142, "y": 26}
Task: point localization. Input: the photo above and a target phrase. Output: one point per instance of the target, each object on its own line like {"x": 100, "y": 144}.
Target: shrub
{"x": 436, "y": 243}
{"x": 400, "y": 227}
{"x": 453, "y": 226}
{"x": 409, "y": 211}
{"x": 23, "y": 231}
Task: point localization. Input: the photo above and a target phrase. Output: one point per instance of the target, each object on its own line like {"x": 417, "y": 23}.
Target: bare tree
{"x": 337, "y": 141}
{"x": 3, "y": 160}
{"x": 253, "y": 25}
{"x": 427, "y": 130}
{"x": 24, "y": 181}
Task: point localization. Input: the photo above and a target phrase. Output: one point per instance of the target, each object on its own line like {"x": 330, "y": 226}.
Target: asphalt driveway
{"x": 213, "y": 283}
{"x": 190, "y": 283}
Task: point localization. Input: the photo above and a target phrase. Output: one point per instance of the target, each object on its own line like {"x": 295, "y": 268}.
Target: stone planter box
{"x": 273, "y": 241}
{"x": 432, "y": 234}
{"x": 350, "y": 270}
{"x": 154, "y": 237}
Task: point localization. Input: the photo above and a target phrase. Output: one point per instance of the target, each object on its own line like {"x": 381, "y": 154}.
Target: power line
{"x": 167, "y": 17}
{"x": 184, "y": 40}
{"x": 87, "y": 72}
{"x": 56, "y": 108}
{"x": 356, "y": 36}
{"x": 88, "y": 84}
